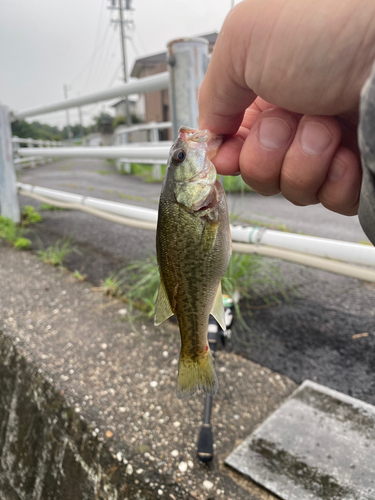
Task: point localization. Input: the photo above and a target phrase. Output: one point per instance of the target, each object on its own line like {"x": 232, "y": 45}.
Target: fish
{"x": 193, "y": 247}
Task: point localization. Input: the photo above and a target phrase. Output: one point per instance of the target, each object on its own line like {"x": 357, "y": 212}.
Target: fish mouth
{"x": 197, "y": 138}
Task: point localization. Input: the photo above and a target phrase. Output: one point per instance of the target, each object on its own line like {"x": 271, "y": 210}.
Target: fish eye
{"x": 178, "y": 156}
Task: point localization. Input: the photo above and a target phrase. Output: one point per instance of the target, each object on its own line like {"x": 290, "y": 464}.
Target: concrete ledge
{"x": 88, "y": 407}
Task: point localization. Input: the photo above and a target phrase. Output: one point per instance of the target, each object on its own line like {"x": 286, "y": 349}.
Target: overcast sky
{"x": 45, "y": 44}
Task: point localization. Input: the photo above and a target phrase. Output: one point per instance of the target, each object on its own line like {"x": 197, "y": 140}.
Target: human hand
{"x": 309, "y": 59}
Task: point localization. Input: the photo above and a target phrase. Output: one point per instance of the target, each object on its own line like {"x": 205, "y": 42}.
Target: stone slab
{"x": 319, "y": 445}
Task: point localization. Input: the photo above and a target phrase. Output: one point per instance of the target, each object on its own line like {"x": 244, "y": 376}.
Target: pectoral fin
{"x": 163, "y": 308}
{"x": 218, "y": 308}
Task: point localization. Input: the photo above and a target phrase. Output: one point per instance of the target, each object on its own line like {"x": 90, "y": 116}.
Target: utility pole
{"x": 123, "y": 49}
{"x": 67, "y": 113}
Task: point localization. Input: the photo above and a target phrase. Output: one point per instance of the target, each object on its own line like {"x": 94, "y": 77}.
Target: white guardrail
{"x": 35, "y": 144}
{"x": 312, "y": 251}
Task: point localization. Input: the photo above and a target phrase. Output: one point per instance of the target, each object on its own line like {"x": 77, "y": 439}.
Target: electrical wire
{"x": 99, "y": 24}
{"x": 99, "y": 51}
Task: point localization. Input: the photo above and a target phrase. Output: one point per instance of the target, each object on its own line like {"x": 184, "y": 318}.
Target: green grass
{"x": 79, "y": 276}
{"x": 235, "y": 184}
{"x": 57, "y": 253}
{"x": 104, "y": 172}
{"x": 22, "y": 243}
{"x": 232, "y": 184}
{"x": 30, "y": 216}
{"x": 247, "y": 276}
{"x": 113, "y": 285}
{"x": 131, "y": 197}
{"x": 145, "y": 171}
{"x": 256, "y": 222}
{"x": 45, "y": 207}
{"x": 13, "y": 234}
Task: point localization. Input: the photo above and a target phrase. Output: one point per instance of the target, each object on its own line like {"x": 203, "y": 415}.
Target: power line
{"x": 102, "y": 60}
{"x": 96, "y": 53}
{"x": 99, "y": 25}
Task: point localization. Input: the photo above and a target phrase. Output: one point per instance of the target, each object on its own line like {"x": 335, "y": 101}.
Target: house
{"x": 136, "y": 104}
{"x": 157, "y": 106}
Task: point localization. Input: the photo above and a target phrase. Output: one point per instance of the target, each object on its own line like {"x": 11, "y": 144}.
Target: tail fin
{"x": 196, "y": 374}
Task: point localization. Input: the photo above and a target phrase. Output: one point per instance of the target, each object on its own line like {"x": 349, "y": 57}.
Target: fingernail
{"x": 274, "y": 133}
{"x": 315, "y": 138}
{"x": 336, "y": 170}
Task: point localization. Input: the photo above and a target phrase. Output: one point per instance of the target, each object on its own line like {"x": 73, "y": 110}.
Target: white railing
{"x": 122, "y": 137}
{"x": 320, "y": 253}
{"x": 142, "y": 86}
{"x": 35, "y": 144}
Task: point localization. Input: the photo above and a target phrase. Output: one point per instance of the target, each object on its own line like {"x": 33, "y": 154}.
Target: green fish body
{"x": 193, "y": 251}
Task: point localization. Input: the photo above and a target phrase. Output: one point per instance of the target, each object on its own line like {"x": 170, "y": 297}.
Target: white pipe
{"x": 332, "y": 266}
{"x": 143, "y": 126}
{"x": 25, "y": 160}
{"x": 141, "y": 86}
{"x": 115, "y": 152}
{"x": 296, "y": 257}
{"x": 113, "y": 207}
{"x": 331, "y": 249}
{"x": 140, "y": 224}
{"x": 323, "y": 247}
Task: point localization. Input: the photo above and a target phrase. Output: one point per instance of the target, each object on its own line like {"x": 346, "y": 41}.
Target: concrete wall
{"x": 47, "y": 452}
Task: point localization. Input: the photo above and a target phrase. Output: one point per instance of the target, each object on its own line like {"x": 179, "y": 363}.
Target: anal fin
{"x": 163, "y": 309}
{"x": 218, "y": 308}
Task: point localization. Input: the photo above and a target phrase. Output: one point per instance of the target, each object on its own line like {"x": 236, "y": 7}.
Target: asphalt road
{"x": 309, "y": 335}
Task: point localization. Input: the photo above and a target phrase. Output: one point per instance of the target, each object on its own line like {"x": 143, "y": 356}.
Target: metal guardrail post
{"x": 187, "y": 63}
{"x": 31, "y": 145}
{"x": 156, "y": 167}
{"x": 41, "y": 144}
{"x": 48, "y": 145}
{"x": 8, "y": 186}
{"x": 125, "y": 166}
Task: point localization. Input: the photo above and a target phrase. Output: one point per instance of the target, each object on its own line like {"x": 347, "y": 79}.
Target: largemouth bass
{"x": 193, "y": 250}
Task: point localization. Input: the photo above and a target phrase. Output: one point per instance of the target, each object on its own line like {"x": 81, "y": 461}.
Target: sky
{"x": 45, "y": 44}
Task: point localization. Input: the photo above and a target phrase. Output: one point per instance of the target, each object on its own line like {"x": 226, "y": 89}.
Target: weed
{"x": 131, "y": 197}
{"x": 235, "y": 184}
{"x": 9, "y": 230}
{"x": 45, "y": 207}
{"x": 255, "y": 222}
{"x": 22, "y": 244}
{"x": 364, "y": 242}
{"x": 55, "y": 254}
{"x": 145, "y": 171}
{"x": 104, "y": 172}
{"x": 13, "y": 233}
{"x": 30, "y": 216}
{"x": 247, "y": 276}
{"x": 79, "y": 276}
{"x": 112, "y": 285}
{"x": 142, "y": 284}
